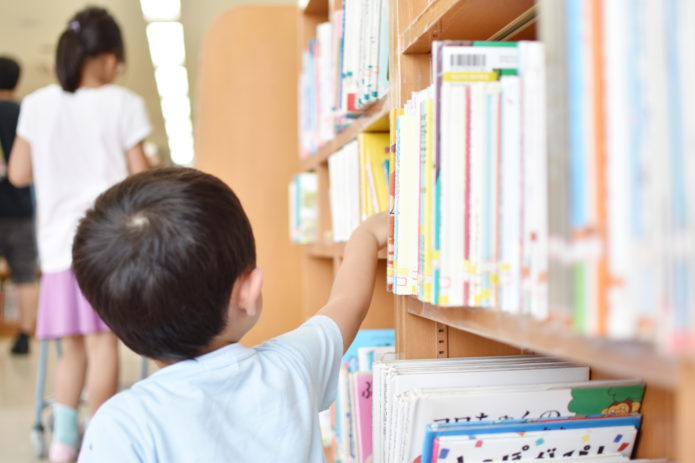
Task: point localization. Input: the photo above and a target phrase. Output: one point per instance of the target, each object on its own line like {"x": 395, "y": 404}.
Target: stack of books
{"x": 469, "y": 181}
{"x": 621, "y": 153}
{"x": 344, "y": 71}
{"x": 352, "y": 411}
{"x": 480, "y": 409}
{"x": 358, "y": 177}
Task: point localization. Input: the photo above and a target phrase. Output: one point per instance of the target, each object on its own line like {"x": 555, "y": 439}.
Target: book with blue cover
{"x": 525, "y": 440}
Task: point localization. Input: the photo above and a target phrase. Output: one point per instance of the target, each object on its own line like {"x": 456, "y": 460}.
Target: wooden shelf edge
{"x": 315, "y": 7}
{"x": 623, "y": 358}
{"x": 372, "y": 115}
{"x": 518, "y": 24}
{"x": 418, "y": 36}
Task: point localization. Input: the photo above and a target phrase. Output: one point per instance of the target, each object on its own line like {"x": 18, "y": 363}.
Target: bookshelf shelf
{"x": 374, "y": 119}
{"x": 464, "y": 20}
{"x": 628, "y": 359}
{"x": 315, "y": 7}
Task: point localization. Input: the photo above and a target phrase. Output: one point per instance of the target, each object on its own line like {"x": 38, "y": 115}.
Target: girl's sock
{"x": 65, "y": 428}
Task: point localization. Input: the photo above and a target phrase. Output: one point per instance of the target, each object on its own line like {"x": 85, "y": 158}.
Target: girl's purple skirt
{"x": 63, "y": 310}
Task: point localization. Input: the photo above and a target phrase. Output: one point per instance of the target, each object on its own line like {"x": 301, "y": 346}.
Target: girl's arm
{"x": 136, "y": 159}
{"x": 19, "y": 170}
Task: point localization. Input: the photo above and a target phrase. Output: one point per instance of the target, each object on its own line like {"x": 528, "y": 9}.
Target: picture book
{"x": 530, "y": 440}
{"x": 423, "y": 406}
{"x": 393, "y": 378}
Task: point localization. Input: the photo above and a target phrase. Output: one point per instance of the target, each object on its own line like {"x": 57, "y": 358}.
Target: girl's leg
{"x": 102, "y": 374}
{"x": 70, "y": 375}
{"x": 70, "y": 372}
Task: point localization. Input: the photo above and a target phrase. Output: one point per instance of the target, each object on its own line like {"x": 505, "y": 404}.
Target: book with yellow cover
{"x": 374, "y": 161}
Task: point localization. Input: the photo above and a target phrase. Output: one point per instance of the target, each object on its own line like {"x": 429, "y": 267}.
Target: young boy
{"x": 167, "y": 258}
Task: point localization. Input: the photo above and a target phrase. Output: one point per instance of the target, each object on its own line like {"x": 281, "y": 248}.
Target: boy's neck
{"x": 7, "y": 95}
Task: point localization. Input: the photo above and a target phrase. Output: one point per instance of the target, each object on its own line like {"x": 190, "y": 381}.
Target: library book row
{"x": 484, "y": 214}
{"x": 478, "y": 409}
{"x": 621, "y": 149}
{"x": 344, "y": 70}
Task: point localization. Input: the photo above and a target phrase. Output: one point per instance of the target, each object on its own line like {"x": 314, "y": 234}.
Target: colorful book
{"x": 530, "y": 440}
{"x": 394, "y": 378}
{"x": 532, "y": 401}
{"x": 374, "y": 158}
{"x": 390, "y": 245}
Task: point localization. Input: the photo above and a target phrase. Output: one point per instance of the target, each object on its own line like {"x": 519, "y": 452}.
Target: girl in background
{"x": 74, "y": 141}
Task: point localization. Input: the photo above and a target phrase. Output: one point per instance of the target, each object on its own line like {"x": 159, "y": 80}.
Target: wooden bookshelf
{"x": 321, "y": 259}
{"x": 426, "y": 331}
{"x": 245, "y": 134}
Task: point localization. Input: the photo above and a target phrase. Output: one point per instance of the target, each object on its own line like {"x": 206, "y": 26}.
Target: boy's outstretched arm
{"x": 354, "y": 283}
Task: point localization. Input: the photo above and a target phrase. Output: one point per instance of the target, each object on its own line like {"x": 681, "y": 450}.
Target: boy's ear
{"x": 251, "y": 286}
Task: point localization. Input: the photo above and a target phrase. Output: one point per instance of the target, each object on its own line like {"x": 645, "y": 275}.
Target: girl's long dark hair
{"x": 90, "y": 32}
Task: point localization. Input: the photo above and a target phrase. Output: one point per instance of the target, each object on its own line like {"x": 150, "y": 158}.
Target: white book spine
{"x": 621, "y": 317}
{"x": 453, "y": 140}
{"x": 510, "y": 210}
{"x": 475, "y": 194}
{"x": 532, "y": 70}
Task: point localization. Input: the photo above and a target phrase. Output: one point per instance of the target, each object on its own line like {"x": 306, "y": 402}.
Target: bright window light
{"x": 171, "y": 81}
{"x": 182, "y": 141}
{"x": 161, "y": 10}
{"x": 182, "y": 155}
{"x": 177, "y": 126}
{"x": 184, "y": 138}
{"x": 166, "y": 43}
{"x": 176, "y": 106}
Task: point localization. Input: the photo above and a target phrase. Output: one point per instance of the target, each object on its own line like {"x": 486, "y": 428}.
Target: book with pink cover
{"x": 361, "y": 390}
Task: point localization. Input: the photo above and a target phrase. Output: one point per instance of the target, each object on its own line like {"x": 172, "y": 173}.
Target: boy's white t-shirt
{"x": 78, "y": 144}
{"x": 235, "y": 404}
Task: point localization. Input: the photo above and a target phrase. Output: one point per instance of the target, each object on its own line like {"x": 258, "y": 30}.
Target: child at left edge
{"x": 167, "y": 259}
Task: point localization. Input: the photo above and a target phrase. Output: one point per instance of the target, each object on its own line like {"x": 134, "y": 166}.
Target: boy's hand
{"x": 378, "y": 226}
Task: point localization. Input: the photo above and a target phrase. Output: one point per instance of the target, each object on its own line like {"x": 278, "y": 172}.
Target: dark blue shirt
{"x": 14, "y": 202}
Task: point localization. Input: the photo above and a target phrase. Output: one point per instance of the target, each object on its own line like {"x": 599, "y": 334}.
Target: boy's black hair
{"x": 9, "y": 73}
{"x": 157, "y": 257}
{"x": 90, "y": 32}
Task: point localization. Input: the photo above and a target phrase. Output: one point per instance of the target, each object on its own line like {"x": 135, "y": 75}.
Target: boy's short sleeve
{"x": 136, "y": 123}
{"x": 318, "y": 346}
{"x": 109, "y": 439}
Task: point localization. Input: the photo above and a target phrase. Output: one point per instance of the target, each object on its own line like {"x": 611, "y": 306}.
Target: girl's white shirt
{"x": 78, "y": 144}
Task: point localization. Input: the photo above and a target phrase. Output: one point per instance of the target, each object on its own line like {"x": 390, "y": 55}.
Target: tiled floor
{"x": 17, "y": 397}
